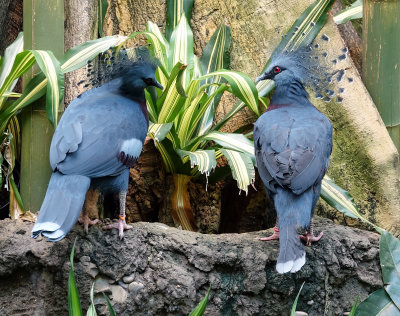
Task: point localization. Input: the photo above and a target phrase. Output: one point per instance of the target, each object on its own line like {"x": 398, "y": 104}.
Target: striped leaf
{"x": 158, "y": 44}
{"x": 305, "y": 28}
{"x": 242, "y": 86}
{"x": 151, "y": 107}
{"x": 92, "y": 309}
{"x": 181, "y": 48}
{"x": 175, "y": 9}
{"x": 205, "y": 160}
{"x": 192, "y": 116}
{"x": 350, "y": 13}
{"x": 78, "y": 56}
{"x": 22, "y": 63}
{"x": 293, "y": 311}
{"x": 50, "y": 66}
{"x": 215, "y": 56}
{"x": 159, "y": 131}
{"x": 7, "y": 63}
{"x": 233, "y": 141}
{"x": 242, "y": 168}
{"x": 170, "y": 102}
{"x": 342, "y": 201}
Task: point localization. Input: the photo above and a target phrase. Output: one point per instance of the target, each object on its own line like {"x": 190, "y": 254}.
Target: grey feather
{"x": 293, "y": 142}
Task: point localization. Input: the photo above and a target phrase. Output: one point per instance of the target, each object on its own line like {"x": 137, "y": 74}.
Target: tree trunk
{"x": 158, "y": 270}
{"x": 11, "y": 22}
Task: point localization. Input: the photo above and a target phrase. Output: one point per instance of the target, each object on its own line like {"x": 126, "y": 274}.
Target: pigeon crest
{"x": 123, "y": 64}
{"x": 312, "y": 66}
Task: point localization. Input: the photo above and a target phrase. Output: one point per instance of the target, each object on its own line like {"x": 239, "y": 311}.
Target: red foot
{"x": 86, "y": 222}
{"x": 274, "y": 236}
{"x": 121, "y": 225}
{"x": 309, "y": 237}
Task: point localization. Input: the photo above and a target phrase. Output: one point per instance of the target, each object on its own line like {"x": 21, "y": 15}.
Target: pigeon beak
{"x": 264, "y": 76}
{"x": 158, "y": 85}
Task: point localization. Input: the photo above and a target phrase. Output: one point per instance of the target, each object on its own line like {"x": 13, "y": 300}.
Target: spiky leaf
{"x": 175, "y": 9}
{"x": 159, "y": 131}
{"x": 74, "y": 303}
{"x": 91, "y": 310}
{"x": 181, "y": 48}
{"x": 242, "y": 168}
{"x": 50, "y": 66}
{"x": 293, "y": 312}
{"x": 103, "y": 5}
{"x": 215, "y": 56}
{"x": 204, "y": 159}
{"x": 201, "y": 307}
{"x": 350, "y": 13}
{"x": 341, "y": 200}
{"x": 233, "y": 141}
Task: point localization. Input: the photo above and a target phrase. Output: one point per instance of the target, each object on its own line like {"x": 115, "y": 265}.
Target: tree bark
{"x": 11, "y": 22}
{"x": 159, "y": 270}
{"x": 364, "y": 159}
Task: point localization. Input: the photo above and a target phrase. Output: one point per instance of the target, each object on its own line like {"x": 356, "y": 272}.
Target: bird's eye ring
{"x": 277, "y": 70}
{"x": 148, "y": 81}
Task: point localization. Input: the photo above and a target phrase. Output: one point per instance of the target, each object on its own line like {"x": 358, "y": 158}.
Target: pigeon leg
{"x": 86, "y": 221}
{"x": 121, "y": 225}
{"x": 275, "y": 235}
{"x": 309, "y": 236}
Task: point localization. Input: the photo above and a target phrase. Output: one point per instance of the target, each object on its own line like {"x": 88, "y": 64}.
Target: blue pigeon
{"x": 293, "y": 143}
{"x": 99, "y": 137}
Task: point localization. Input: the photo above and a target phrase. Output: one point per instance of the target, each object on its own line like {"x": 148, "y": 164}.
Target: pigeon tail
{"x": 61, "y": 206}
{"x": 293, "y": 211}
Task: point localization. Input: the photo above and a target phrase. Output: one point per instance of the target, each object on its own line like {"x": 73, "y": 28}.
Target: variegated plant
{"x": 49, "y": 80}
{"x": 182, "y": 115}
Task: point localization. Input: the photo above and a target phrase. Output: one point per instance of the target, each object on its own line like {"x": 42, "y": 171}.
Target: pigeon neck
{"x": 138, "y": 96}
{"x": 287, "y": 93}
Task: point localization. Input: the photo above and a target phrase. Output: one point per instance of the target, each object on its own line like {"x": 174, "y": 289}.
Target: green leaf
{"x": 293, "y": 312}
{"x": 205, "y": 160}
{"x": 74, "y": 303}
{"x": 350, "y": 13}
{"x": 170, "y": 102}
{"x": 242, "y": 168}
{"x": 242, "y": 87}
{"x": 305, "y": 28}
{"x": 91, "y": 310}
{"x": 50, "y": 66}
{"x": 8, "y": 60}
{"x": 103, "y": 5}
{"x": 22, "y": 63}
{"x": 353, "y": 309}
{"x": 159, "y": 46}
{"x": 159, "y": 131}
{"x": 181, "y": 48}
{"x": 17, "y": 196}
{"x": 192, "y": 116}
{"x": 201, "y": 307}
{"x": 215, "y": 56}
{"x": 175, "y": 9}
{"x": 341, "y": 200}
{"x": 389, "y": 253}
{"x": 233, "y": 141}
{"x": 77, "y": 57}
{"x": 110, "y": 308}
{"x": 378, "y": 303}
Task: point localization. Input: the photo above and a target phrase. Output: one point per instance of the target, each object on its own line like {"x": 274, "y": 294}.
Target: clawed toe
{"x": 310, "y": 237}
{"x": 274, "y": 236}
{"x": 86, "y": 222}
{"x": 121, "y": 225}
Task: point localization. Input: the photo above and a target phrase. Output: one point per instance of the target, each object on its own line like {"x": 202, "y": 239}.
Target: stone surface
{"x": 172, "y": 270}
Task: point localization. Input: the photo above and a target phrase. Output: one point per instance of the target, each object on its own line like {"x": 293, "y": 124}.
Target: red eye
{"x": 148, "y": 81}
{"x": 277, "y": 70}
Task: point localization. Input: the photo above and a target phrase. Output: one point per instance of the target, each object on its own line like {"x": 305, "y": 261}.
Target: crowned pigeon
{"x": 293, "y": 143}
{"x": 99, "y": 137}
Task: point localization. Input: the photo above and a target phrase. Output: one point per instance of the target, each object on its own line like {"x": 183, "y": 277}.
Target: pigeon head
{"x": 139, "y": 75}
{"x": 290, "y": 66}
